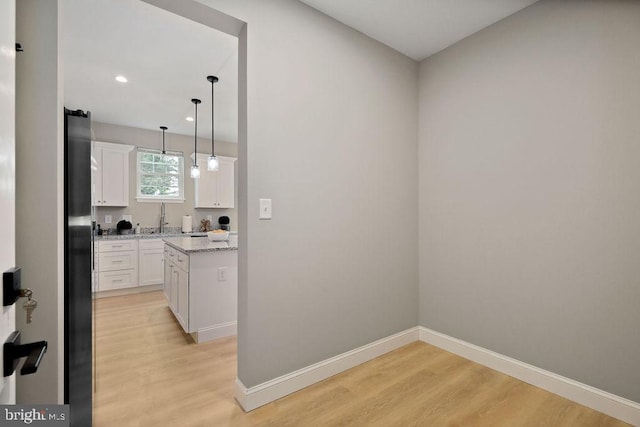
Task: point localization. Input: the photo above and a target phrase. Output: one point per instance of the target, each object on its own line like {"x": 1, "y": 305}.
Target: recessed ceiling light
{"x": 189, "y": 119}
{"x": 121, "y": 79}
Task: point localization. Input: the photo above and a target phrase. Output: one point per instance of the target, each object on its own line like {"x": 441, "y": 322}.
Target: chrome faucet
{"x": 163, "y": 217}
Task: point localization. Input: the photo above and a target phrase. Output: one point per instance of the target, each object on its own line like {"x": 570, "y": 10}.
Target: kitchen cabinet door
{"x": 183, "y": 298}
{"x": 215, "y": 189}
{"x": 111, "y": 174}
{"x": 226, "y": 183}
{"x": 168, "y": 274}
{"x": 173, "y": 290}
{"x": 150, "y": 263}
{"x": 206, "y": 187}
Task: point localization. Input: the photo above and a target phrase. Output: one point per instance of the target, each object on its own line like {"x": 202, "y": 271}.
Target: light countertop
{"x": 152, "y": 236}
{"x": 202, "y": 244}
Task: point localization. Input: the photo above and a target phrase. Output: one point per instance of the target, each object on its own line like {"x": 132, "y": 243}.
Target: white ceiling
{"x": 166, "y": 59}
{"x": 418, "y": 28}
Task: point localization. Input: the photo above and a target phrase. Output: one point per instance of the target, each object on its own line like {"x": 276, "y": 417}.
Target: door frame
{"x": 7, "y": 178}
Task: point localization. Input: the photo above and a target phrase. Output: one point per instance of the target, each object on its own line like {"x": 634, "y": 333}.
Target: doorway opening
{"x": 156, "y": 328}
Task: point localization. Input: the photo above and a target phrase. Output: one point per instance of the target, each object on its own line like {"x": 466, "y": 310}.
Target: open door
{"x": 7, "y": 176}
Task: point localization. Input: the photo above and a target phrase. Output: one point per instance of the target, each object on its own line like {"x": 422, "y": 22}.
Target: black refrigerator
{"x": 78, "y": 248}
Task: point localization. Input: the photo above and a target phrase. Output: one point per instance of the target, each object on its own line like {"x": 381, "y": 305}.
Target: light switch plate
{"x": 107, "y": 219}
{"x": 265, "y": 209}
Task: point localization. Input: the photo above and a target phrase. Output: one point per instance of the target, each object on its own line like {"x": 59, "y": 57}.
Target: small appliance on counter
{"x": 224, "y": 223}
{"x": 124, "y": 227}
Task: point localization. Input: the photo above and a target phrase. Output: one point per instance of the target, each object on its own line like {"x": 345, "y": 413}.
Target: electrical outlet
{"x": 222, "y": 274}
{"x": 107, "y": 219}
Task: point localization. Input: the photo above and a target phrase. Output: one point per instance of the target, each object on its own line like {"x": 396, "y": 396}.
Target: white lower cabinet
{"x": 150, "y": 262}
{"x": 116, "y": 264}
{"x": 182, "y": 283}
{"x": 168, "y": 272}
{"x": 111, "y": 280}
{"x": 176, "y": 284}
{"x": 201, "y": 289}
{"x": 128, "y": 263}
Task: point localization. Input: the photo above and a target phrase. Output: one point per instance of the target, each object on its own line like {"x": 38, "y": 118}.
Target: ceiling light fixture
{"x": 164, "y": 128}
{"x": 189, "y": 119}
{"x": 121, "y": 79}
{"x": 195, "y": 171}
{"x": 212, "y": 160}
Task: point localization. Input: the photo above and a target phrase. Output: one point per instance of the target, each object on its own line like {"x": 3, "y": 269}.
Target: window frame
{"x": 180, "y": 198}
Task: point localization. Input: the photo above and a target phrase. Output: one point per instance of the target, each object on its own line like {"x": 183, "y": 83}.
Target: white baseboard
{"x": 607, "y": 403}
{"x": 254, "y": 397}
{"x": 216, "y": 331}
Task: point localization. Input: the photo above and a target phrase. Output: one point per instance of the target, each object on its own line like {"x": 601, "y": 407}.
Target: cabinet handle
{"x": 116, "y": 246}
{"x": 117, "y": 281}
{"x": 179, "y": 259}
{"x": 117, "y": 261}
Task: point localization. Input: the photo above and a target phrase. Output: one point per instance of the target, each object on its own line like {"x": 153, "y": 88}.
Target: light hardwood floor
{"x": 149, "y": 373}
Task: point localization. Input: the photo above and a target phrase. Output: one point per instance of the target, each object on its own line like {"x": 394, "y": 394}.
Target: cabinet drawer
{"x": 111, "y": 261}
{"x": 181, "y": 260}
{"x": 151, "y": 244}
{"x": 169, "y": 253}
{"x": 118, "y": 245}
{"x": 117, "y": 280}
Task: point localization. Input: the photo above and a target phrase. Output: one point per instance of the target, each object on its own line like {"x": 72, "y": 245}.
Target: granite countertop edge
{"x": 150, "y": 236}
{"x": 196, "y": 250}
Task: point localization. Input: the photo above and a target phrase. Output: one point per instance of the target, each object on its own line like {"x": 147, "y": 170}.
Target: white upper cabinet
{"x": 111, "y": 174}
{"x": 215, "y": 189}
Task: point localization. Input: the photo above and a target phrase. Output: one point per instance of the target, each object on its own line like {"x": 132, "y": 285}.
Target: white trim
{"x": 150, "y": 200}
{"x": 602, "y": 401}
{"x": 125, "y": 148}
{"x": 254, "y": 397}
{"x": 180, "y": 198}
{"x": 214, "y": 332}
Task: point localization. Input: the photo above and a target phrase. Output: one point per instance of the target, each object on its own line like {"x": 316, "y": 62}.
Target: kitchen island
{"x": 201, "y": 285}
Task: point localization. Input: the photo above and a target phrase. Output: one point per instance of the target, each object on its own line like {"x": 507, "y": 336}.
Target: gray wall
{"x": 529, "y": 199}
{"x": 40, "y": 194}
{"x": 148, "y": 214}
{"x": 332, "y": 139}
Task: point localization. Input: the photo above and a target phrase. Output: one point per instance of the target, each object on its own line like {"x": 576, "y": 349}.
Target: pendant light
{"x": 164, "y": 128}
{"x": 212, "y": 160}
{"x": 195, "y": 171}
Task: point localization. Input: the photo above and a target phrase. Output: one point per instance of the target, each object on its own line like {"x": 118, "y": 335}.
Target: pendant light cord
{"x": 195, "y": 136}
{"x": 213, "y": 152}
{"x": 213, "y": 80}
{"x": 164, "y": 128}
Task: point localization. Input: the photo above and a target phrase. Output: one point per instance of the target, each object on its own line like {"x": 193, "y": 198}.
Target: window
{"x": 160, "y": 176}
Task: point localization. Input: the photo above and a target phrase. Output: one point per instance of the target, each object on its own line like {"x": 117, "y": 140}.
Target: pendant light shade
{"x": 212, "y": 160}
{"x": 195, "y": 171}
{"x": 164, "y": 128}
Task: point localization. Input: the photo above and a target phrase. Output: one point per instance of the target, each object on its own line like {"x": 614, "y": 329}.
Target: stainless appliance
{"x": 78, "y": 247}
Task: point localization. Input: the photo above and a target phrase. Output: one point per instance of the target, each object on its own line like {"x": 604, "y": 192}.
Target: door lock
{"x": 11, "y": 287}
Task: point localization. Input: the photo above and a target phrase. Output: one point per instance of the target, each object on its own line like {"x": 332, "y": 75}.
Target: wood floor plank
{"x": 150, "y": 373}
